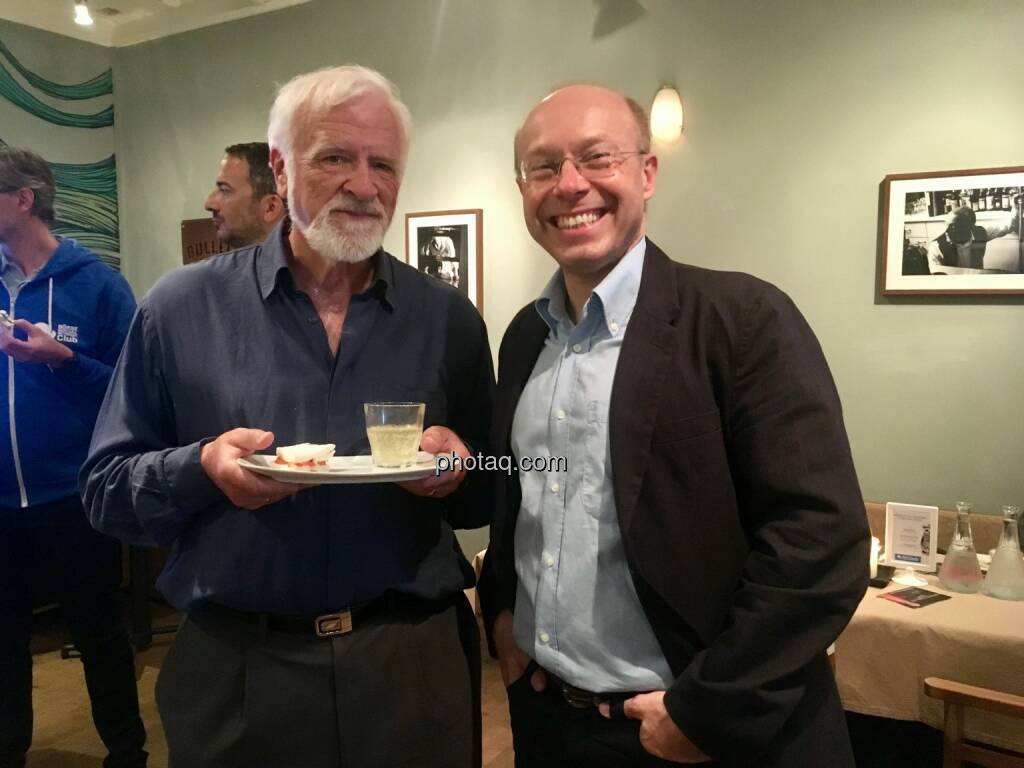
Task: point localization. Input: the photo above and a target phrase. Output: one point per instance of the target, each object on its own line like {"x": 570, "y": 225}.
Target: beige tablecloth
{"x": 886, "y": 652}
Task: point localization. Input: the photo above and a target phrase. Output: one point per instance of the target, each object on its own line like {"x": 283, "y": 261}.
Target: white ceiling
{"x": 127, "y": 22}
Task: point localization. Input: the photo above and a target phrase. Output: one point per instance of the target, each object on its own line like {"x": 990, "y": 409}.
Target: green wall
{"x": 795, "y": 112}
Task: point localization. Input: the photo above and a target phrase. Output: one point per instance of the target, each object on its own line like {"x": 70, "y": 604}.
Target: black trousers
{"x": 402, "y": 689}
{"x": 547, "y": 732}
{"x": 50, "y": 552}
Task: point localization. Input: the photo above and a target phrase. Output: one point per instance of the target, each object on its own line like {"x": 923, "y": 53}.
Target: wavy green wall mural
{"x": 12, "y": 90}
{"x": 101, "y": 85}
{"x": 86, "y": 203}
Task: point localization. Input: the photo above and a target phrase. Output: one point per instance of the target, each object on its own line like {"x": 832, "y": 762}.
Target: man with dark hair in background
{"x": 244, "y": 203}
{"x": 67, "y": 318}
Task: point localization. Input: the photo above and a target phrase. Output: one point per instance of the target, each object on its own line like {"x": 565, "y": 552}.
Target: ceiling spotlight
{"x": 82, "y": 16}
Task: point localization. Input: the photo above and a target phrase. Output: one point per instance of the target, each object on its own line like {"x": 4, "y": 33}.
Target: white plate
{"x": 340, "y": 470}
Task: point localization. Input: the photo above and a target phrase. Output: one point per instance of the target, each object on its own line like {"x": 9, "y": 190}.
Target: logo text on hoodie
{"x": 67, "y": 333}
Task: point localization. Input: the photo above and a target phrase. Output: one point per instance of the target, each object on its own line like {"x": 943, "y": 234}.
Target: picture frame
{"x": 449, "y": 245}
{"x": 952, "y": 232}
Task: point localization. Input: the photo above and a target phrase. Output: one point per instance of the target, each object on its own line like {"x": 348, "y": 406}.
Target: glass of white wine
{"x": 394, "y": 431}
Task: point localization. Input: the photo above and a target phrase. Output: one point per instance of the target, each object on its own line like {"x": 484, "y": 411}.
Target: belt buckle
{"x": 333, "y": 624}
{"x": 577, "y": 697}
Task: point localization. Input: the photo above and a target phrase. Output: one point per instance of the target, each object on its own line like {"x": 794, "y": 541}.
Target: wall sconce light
{"x": 82, "y": 16}
{"x": 667, "y": 115}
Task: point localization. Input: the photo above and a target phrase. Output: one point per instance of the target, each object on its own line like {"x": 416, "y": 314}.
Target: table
{"x": 887, "y": 650}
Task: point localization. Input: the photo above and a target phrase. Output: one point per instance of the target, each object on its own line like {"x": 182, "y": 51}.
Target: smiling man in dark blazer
{"x": 668, "y": 596}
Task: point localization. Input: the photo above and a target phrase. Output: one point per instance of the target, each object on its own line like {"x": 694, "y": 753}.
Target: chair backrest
{"x": 958, "y": 696}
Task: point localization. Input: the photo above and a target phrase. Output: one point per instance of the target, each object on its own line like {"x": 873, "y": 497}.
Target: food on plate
{"x": 305, "y": 455}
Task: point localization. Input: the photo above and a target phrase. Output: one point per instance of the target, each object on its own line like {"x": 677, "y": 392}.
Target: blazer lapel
{"x": 519, "y": 351}
{"x": 640, "y": 380}
{"x": 524, "y": 349}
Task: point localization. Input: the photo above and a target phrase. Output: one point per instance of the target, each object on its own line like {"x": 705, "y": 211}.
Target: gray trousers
{"x": 403, "y": 689}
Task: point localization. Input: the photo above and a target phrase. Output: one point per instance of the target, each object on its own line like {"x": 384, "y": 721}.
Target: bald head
{"x": 580, "y": 100}
{"x": 585, "y": 174}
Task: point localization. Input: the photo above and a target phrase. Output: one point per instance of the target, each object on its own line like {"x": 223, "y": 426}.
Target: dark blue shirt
{"x": 230, "y": 342}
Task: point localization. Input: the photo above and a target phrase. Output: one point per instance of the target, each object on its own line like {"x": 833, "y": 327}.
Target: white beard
{"x": 356, "y": 242}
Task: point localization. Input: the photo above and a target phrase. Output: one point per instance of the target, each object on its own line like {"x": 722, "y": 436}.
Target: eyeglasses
{"x": 595, "y": 164}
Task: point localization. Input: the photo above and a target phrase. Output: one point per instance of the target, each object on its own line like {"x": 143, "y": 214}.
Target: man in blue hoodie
{"x": 67, "y": 315}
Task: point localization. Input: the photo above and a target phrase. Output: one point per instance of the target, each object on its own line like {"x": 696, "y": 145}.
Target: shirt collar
{"x": 6, "y": 264}
{"x": 550, "y": 304}
{"x": 619, "y": 289}
{"x": 272, "y": 261}
{"x": 613, "y": 299}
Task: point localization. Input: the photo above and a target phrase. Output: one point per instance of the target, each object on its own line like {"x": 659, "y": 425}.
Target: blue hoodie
{"x": 47, "y": 416}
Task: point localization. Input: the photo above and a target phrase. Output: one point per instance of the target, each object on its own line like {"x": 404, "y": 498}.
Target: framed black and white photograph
{"x": 449, "y": 245}
{"x": 955, "y": 232}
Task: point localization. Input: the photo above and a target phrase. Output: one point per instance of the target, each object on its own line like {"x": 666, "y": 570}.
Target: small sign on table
{"x": 910, "y": 540}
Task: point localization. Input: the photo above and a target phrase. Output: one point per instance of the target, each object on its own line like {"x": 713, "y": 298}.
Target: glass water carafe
{"x": 960, "y": 571}
{"x": 1005, "y": 577}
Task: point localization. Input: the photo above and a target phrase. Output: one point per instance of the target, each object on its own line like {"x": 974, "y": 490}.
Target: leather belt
{"x": 326, "y": 625}
{"x": 579, "y": 698}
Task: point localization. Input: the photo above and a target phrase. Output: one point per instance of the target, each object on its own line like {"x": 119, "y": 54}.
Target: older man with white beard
{"x": 325, "y": 626}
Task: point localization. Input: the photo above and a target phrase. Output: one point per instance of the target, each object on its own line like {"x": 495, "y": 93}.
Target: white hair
{"x": 322, "y": 90}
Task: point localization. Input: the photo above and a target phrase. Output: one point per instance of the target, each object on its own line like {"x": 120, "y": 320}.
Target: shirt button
{"x": 554, "y": 487}
{"x": 577, "y": 348}
{"x": 548, "y": 559}
{"x": 544, "y": 637}
{"x": 561, "y": 415}
{"x": 613, "y": 326}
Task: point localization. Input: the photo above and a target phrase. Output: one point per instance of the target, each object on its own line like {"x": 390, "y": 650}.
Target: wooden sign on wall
{"x": 199, "y": 240}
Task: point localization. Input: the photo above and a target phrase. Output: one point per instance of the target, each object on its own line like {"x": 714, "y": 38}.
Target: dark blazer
{"x": 739, "y": 507}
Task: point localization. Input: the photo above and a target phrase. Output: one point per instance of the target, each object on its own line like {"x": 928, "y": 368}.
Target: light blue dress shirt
{"x": 577, "y": 612}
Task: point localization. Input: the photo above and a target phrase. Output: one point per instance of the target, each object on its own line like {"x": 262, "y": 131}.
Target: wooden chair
{"x": 957, "y": 696}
